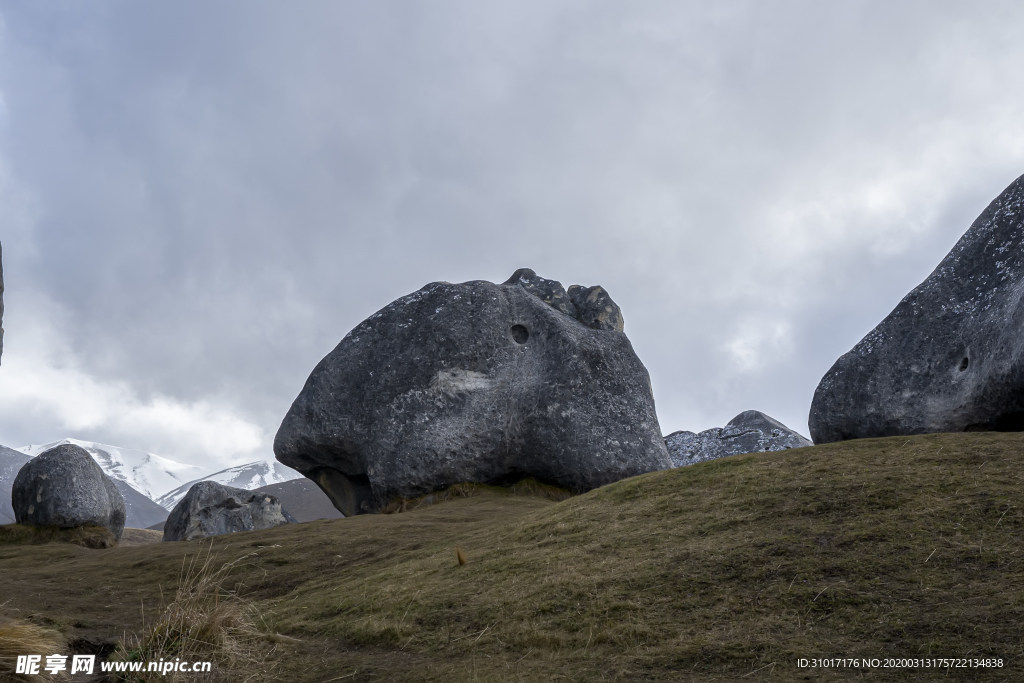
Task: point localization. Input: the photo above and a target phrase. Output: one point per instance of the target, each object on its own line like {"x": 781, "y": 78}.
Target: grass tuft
{"x": 19, "y": 637}
{"x": 206, "y": 621}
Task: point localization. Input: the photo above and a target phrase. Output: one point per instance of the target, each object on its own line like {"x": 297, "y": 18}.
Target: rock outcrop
{"x": 476, "y": 382}
{"x": 64, "y": 487}
{"x": 749, "y": 432}
{"x": 950, "y": 356}
{"x": 212, "y": 509}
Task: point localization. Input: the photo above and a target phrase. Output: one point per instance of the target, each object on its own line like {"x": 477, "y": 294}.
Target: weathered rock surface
{"x": 950, "y": 356}
{"x": 212, "y": 509}
{"x": 749, "y": 432}
{"x": 591, "y": 306}
{"x": 65, "y": 487}
{"x": 475, "y": 382}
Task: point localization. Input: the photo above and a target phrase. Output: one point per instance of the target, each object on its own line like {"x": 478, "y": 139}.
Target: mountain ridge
{"x": 150, "y": 474}
{"x": 151, "y": 484}
{"x": 250, "y": 476}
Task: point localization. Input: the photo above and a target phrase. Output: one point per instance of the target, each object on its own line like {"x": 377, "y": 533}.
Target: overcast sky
{"x": 198, "y": 200}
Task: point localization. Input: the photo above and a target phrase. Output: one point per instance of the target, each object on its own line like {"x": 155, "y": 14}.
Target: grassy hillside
{"x": 902, "y": 547}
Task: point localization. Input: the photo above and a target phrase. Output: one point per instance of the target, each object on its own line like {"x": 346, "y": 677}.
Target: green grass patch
{"x": 528, "y": 487}
{"x": 95, "y": 537}
{"x": 891, "y": 547}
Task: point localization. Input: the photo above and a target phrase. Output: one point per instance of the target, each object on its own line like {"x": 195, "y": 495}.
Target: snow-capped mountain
{"x": 149, "y": 474}
{"x": 251, "y": 476}
{"x": 11, "y": 462}
{"x": 166, "y": 481}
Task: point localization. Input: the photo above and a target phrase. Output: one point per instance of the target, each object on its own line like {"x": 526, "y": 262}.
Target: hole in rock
{"x": 520, "y": 334}
{"x": 964, "y": 363}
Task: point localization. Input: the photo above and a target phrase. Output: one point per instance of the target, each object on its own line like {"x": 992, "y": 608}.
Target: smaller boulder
{"x": 749, "y": 432}
{"x": 66, "y": 488}
{"x": 212, "y": 509}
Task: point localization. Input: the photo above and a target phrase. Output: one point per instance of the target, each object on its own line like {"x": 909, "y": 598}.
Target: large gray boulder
{"x": 749, "y": 432}
{"x": 212, "y": 509}
{"x": 65, "y": 487}
{"x": 950, "y": 356}
{"x": 476, "y": 382}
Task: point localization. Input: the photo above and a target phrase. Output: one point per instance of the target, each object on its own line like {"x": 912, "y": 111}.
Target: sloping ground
{"x": 133, "y": 537}
{"x": 887, "y": 548}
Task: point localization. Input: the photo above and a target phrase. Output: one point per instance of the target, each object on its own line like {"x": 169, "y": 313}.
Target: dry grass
{"x": 94, "y": 537}
{"x": 726, "y": 570}
{"x": 133, "y": 537}
{"x": 208, "y": 620}
{"x": 889, "y": 547}
{"x": 19, "y": 637}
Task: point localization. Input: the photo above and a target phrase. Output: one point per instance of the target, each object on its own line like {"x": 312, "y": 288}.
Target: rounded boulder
{"x": 476, "y": 382}
{"x": 66, "y": 488}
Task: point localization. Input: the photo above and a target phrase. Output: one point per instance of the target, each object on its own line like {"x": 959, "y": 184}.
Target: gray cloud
{"x": 201, "y": 199}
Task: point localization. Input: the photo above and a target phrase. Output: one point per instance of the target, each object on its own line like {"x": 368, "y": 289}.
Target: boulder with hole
{"x": 476, "y": 382}
{"x": 749, "y": 432}
{"x": 212, "y": 509}
{"x": 950, "y": 356}
{"x": 66, "y": 488}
